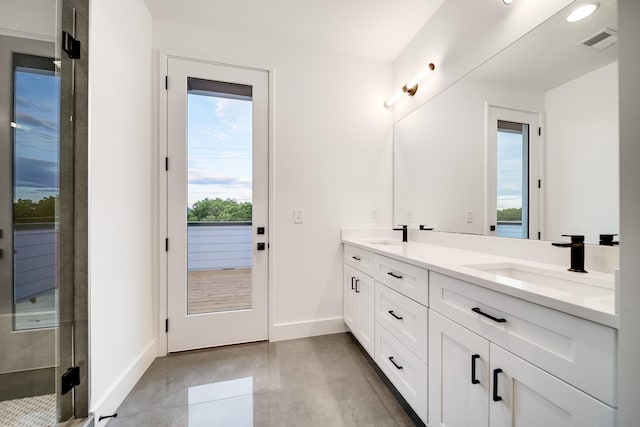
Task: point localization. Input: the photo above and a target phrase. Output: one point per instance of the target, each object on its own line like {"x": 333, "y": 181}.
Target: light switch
{"x": 469, "y": 217}
{"x": 298, "y": 216}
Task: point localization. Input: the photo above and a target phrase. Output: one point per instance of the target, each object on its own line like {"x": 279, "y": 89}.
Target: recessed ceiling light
{"x": 507, "y": 1}
{"x": 582, "y": 12}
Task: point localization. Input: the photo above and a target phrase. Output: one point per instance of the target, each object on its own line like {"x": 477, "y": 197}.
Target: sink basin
{"x": 549, "y": 278}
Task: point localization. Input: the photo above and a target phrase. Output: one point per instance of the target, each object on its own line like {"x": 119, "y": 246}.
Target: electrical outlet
{"x": 469, "y": 217}
{"x": 298, "y": 216}
{"x": 410, "y": 216}
{"x": 374, "y": 215}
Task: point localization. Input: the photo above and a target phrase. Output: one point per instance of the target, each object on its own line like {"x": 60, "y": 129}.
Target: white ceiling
{"x": 377, "y": 29}
{"x": 550, "y": 55}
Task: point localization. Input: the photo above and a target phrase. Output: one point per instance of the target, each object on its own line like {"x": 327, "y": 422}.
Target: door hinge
{"x": 166, "y": 163}
{"x": 70, "y": 45}
{"x": 539, "y": 183}
{"x": 539, "y": 236}
{"x": 166, "y": 325}
{"x": 166, "y": 244}
{"x": 70, "y": 379}
{"x": 166, "y": 82}
{"x": 539, "y": 131}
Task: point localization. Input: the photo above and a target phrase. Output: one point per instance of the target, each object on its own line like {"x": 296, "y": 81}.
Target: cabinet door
{"x": 527, "y": 396}
{"x": 365, "y": 293}
{"x": 458, "y": 375}
{"x": 351, "y": 300}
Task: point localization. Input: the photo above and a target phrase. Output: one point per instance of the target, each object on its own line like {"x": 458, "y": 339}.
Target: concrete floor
{"x": 319, "y": 381}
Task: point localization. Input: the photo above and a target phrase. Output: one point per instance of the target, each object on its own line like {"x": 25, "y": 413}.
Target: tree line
{"x": 28, "y": 211}
{"x": 510, "y": 214}
{"x": 220, "y": 210}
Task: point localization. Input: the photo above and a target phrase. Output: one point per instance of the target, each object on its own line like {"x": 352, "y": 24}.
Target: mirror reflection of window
{"x": 512, "y": 180}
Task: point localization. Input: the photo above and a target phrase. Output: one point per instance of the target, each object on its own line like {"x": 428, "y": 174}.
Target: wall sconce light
{"x": 410, "y": 88}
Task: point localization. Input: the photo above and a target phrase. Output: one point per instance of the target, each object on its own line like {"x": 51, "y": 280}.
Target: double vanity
{"x": 475, "y": 338}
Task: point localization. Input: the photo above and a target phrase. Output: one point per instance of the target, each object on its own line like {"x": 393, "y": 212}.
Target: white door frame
{"x": 490, "y": 155}
{"x": 160, "y": 152}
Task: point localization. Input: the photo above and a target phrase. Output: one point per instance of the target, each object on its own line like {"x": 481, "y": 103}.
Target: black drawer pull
{"x": 356, "y": 258}
{"x": 392, "y": 274}
{"x": 395, "y": 315}
{"x": 495, "y": 319}
{"x": 357, "y": 288}
{"x": 394, "y": 363}
{"x": 352, "y": 285}
{"x": 474, "y": 380}
{"x": 496, "y": 397}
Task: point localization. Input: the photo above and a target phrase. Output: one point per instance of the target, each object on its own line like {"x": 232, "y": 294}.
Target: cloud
{"x": 226, "y": 181}
{"x": 36, "y": 122}
{"x": 36, "y": 173}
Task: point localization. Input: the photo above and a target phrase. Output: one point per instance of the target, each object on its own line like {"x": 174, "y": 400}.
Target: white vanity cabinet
{"x": 466, "y": 355}
{"x": 358, "y": 306}
{"x": 534, "y": 366}
{"x": 474, "y": 382}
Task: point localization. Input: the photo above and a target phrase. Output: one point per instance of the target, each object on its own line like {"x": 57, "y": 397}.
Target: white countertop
{"x": 594, "y": 303}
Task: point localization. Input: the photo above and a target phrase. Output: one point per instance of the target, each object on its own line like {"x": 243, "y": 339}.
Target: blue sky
{"x": 509, "y": 170}
{"x": 219, "y": 148}
{"x": 36, "y": 152}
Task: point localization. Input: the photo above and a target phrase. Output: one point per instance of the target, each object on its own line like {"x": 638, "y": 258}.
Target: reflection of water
{"x": 223, "y": 403}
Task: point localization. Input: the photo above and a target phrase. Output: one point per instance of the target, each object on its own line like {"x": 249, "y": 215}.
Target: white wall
{"x": 629, "y": 335}
{"x": 582, "y": 156}
{"x": 331, "y": 157}
{"x": 29, "y": 19}
{"x": 122, "y": 335}
{"x": 459, "y": 37}
{"x": 440, "y": 154}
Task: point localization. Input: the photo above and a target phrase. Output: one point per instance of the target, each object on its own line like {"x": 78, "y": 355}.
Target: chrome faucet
{"x": 404, "y": 230}
{"x": 577, "y": 252}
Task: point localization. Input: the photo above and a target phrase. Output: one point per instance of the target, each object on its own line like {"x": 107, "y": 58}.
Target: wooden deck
{"x": 219, "y": 290}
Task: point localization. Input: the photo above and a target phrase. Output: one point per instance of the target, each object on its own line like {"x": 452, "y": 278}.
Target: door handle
{"x": 261, "y": 246}
{"x": 352, "y": 285}
{"x": 394, "y": 315}
{"x": 394, "y": 363}
{"x": 357, "y": 288}
{"x": 496, "y": 397}
{"x": 495, "y": 319}
{"x": 474, "y": 380}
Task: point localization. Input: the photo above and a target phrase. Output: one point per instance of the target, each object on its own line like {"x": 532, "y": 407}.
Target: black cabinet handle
{"x": 352, "y": 285}
{"x": 395, "y": 315}
{"x": 496, "y": 397}
{"x": 474, "y": 380}
{"x": 392, "y": 274}
{"x": 394, "y": 363}
{"x": 356, "y": 258}
{"x": 357, "y": 288}
{"x": 495, "y": 319}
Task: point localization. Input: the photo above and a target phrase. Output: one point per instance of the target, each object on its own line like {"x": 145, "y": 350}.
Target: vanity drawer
{"x": 405, "y": 371}
{"x": 580, "y": 352}
{"x": 404, "y": 318}
{"x": 358, "y": 258}
{"x": 405, "y": 278}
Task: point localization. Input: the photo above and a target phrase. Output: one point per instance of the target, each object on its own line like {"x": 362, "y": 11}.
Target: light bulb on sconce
{"x": 412, "y": 87}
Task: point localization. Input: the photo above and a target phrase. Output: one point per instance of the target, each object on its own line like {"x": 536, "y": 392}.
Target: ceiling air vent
{"x": 601, "y": 40}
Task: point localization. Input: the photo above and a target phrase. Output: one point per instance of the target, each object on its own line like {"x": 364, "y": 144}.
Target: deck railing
{"x": 219, "y": 245}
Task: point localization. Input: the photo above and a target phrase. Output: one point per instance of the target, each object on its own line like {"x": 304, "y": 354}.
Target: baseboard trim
{"x": 124, "y": 383}
{"x": 310, "y": 328}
